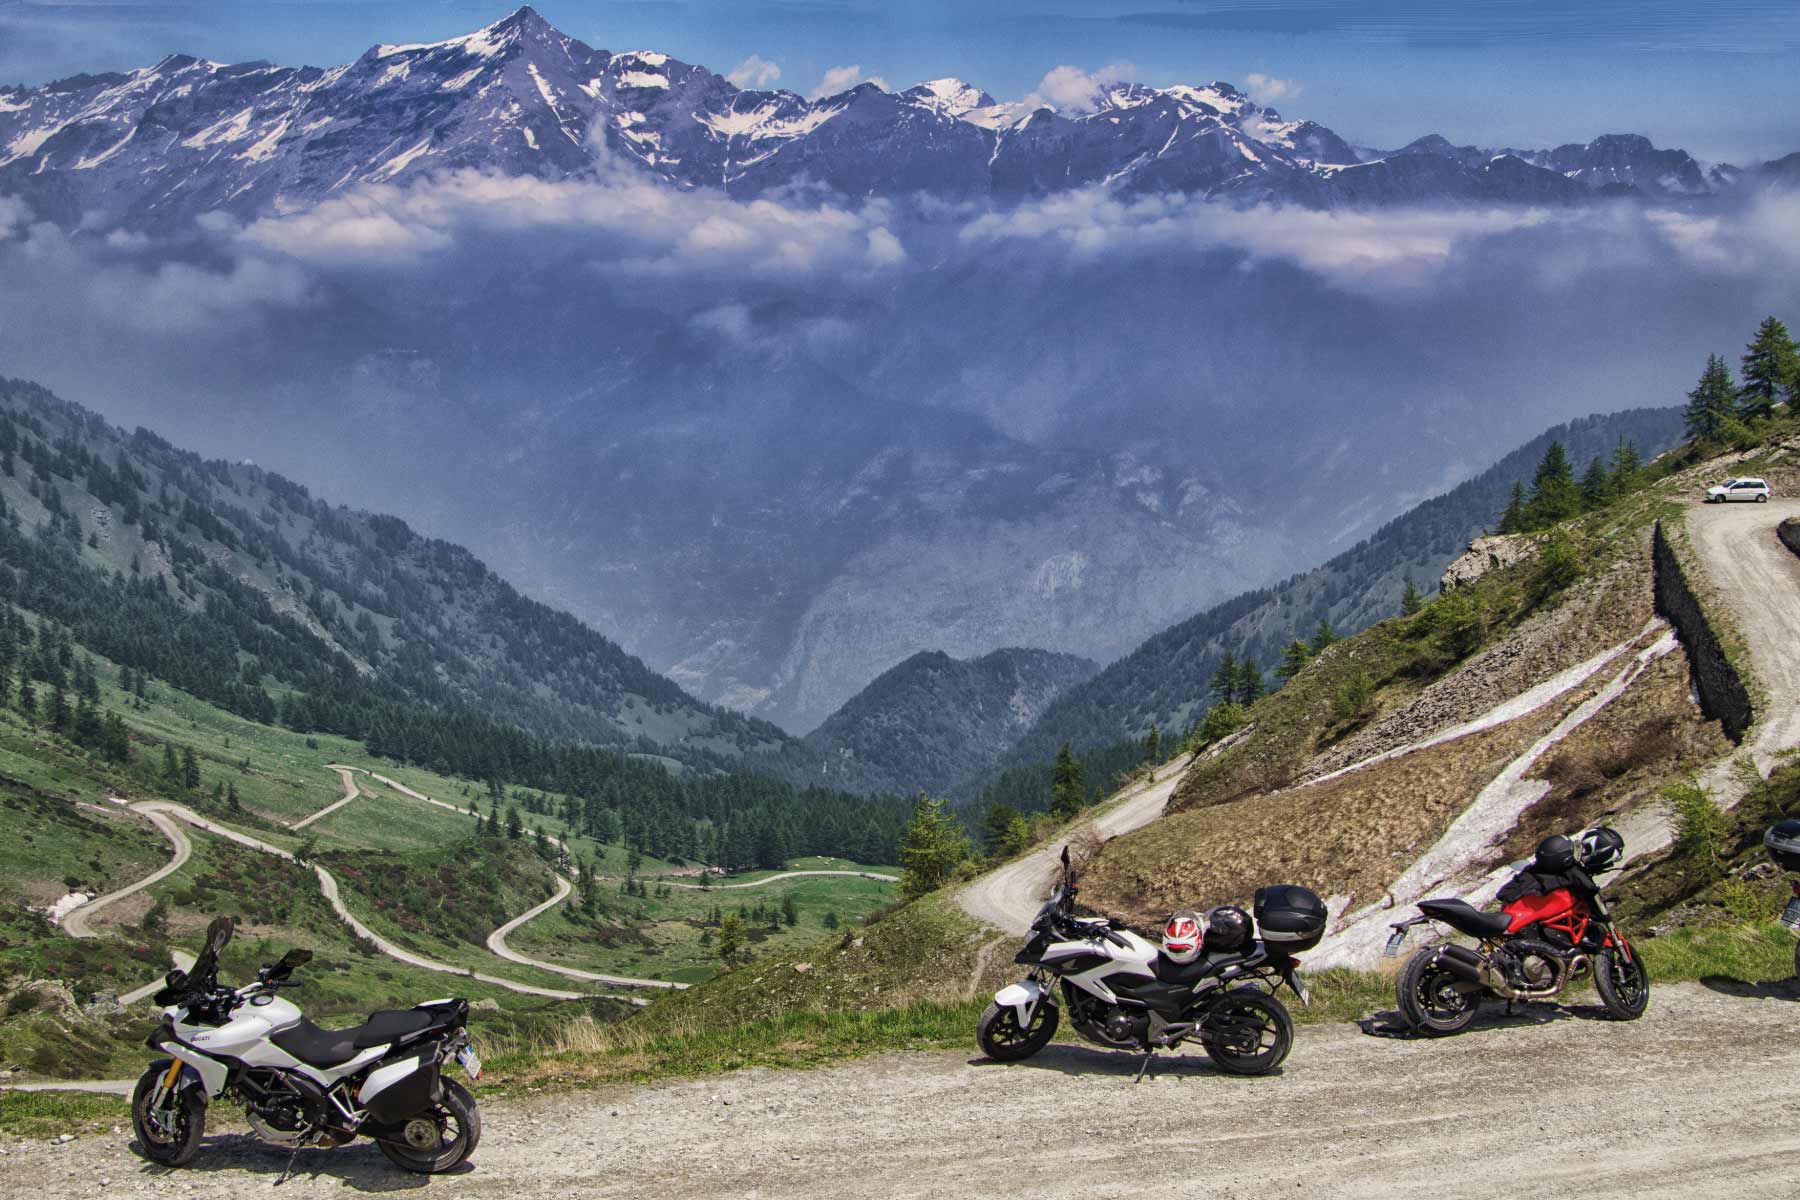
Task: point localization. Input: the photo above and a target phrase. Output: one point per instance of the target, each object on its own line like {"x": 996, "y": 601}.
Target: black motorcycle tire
{"x": 1275, "y": 1039}
{"x": 458, "y": 1106}
{"x": 168, "y": 1147}
{"x": 1422, "y": 992}
{"x": 1002, "y": 1040}
{"x": 1623, "y": 984}
{"x": 1797, "y": 959}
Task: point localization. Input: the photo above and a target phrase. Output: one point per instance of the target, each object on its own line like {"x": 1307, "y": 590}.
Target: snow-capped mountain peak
{"x": 160, "y": 145}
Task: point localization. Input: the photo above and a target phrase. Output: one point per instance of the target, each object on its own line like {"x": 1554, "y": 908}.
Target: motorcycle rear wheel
{"x": 1003, "y": 1040}
{"x": 169, "y": 1136}
{"x": 1428, "y": 1000}
{"x": 1257, "y": 1033}
{"x": 1624, "y": 986}
{"x": 458, "y": 1123}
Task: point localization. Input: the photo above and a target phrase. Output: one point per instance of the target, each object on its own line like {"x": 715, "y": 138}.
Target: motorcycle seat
{"x": 1210, "y": 962}
{"x": 318, "y": 1047}
{"x": 1465, "y": 918}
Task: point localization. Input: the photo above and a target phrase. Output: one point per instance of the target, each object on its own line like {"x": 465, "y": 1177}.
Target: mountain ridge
{"x": 932, "y": 721}
{"x": 156, "y": 147}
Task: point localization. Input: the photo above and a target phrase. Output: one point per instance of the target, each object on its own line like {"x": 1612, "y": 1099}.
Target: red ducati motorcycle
{"x": 1553, "y": 930}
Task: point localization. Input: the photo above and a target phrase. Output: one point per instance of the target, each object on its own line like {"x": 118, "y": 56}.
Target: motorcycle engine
{"x": 277, "y": 1112}
{"x": 1109, "y": 1024}
{"x": 1526, "y": 965}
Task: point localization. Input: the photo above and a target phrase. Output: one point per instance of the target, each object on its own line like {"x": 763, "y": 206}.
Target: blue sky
{"x": 1717, "y": 78}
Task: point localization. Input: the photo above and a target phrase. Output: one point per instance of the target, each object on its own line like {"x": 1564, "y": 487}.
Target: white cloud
{"x": 627, "y": 221}
{"x": 885, "y": 249}
{"x": 754, "y": 72}
{"x": 1071, "y": 89}
{"x": 842, "y": 79}
{"x": 1266, "y": 89}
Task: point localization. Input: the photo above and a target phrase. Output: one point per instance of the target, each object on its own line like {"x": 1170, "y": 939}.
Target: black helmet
{"x": 1601, "y": 848}
{"x": 1228, "y": 928}
{"x": 1555, "y": 854}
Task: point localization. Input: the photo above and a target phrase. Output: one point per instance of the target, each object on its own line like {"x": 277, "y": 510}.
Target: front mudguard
{"x": 1023, "y": 998}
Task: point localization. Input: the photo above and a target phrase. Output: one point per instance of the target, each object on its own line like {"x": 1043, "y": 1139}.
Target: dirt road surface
{"x": 1697, "y": 1099}
{"x": 496, "y": 943}
{"x": 1008, "y": 897}
{"x": 75, "y": 923}
{"x": 1759, "y": 578}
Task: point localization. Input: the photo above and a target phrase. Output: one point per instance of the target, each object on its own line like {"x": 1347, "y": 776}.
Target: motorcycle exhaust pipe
{"x": 1464, "y": 963}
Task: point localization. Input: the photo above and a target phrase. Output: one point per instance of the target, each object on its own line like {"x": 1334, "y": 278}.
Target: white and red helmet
{"x": 1183, "y": 937}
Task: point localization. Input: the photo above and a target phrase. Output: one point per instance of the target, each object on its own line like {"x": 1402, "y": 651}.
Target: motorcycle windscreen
{"x": 218, "y": 936}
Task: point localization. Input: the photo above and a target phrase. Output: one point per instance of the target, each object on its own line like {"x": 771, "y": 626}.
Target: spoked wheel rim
{"x": 1438, "y": 997}
{"x": 1007, "y": 1034}
{"x": 1627, "y": 977}
{"x": 1250, "y": 1031}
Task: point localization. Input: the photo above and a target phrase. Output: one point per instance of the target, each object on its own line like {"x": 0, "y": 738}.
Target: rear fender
{"x": 1023, "y": 998}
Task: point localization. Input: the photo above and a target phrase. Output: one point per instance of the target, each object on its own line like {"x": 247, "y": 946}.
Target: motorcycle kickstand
{"x": 1145, "y": 1067}
{"x": 287, "y": 1170}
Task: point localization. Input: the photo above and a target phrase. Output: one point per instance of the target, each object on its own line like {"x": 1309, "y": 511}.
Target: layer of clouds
{"x": 841, "y": 79}
{"x": 755, "y": 72}
{"x": 1071, "y": 89}
{"x": 630, "y": 222}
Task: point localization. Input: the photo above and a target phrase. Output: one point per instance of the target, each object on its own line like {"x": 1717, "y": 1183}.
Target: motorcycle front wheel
{"x": 1428, "y": 998}
{"x": 1249, "y": 1032}
{"x": 439, "y": 1138}
{"x": 170, "y": 1136}
{"x": 1624, "y": 985}
{"x": 1004, "y": 1040}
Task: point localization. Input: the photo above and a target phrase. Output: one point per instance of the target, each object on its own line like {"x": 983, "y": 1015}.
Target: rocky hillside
{"x": 156, "y": 146}
{"x": 933, "y": 722}
{"x": 1428, "y": 753}
{"x": 1166, "y": 680}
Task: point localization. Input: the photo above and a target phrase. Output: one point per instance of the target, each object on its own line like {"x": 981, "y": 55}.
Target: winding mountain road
{"x": 1009, "y": 897}
{"x": 726, "y": 887}
{"x": 75, "y": 921}
{"x": 1759, "y": 579}
{"x": 350, "y": 793}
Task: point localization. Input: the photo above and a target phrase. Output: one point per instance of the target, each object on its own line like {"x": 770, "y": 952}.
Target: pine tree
{"x": 1627, "y": 468}
{"x": 190, "y": 769}
{"x": 231, "y": 797}
{"x": 515, "y": 827}
{"x": 1771, "y": 363}
{"x": 731, "y": 939}
{"x": 171, "y": 766}
{"x": 1554, "y": 496}
{"x": 1411, "y": 600}
{"x": 1596, "y": 485}
{"x": 1323, "y": 636}
{"x": 1712, "y": 403}
{"x": 1153, "y": 744}
{"x": 1249, "y": 683}
{"x": 1067, "y": 790}
{"x": 932, "y": 848}
{"x": 1225, "y": 678}
{"x": 1294, "y": 657}
{"x": 789, "y": 913}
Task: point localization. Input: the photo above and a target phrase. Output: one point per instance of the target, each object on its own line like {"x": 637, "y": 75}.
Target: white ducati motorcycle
{"x": 1122, "y": 993}
{"x": 302, "y": 1085}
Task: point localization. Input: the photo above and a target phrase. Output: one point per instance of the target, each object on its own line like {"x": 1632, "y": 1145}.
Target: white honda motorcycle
{"x": 1122, "y": 993}
{"x": 302, "y": 1085}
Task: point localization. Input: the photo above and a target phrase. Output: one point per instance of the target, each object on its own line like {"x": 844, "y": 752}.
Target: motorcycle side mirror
{"x": 1065, "y": 858}
{"x": 218, "y": 934}
{"x": 296, "y": 958}
{"x": 175, "y": 978}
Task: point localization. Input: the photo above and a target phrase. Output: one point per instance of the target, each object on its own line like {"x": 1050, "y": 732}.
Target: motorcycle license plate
{"x": 1790, "y": 916}
{"x": 470, "y": 1062}
{"x": 1395, "y": 939}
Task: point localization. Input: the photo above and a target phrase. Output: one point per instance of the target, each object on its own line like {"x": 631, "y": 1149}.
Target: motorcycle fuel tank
{"x": 249, "y": 1025}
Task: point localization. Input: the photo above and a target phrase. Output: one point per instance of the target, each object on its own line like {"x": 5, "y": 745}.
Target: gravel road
{"x": 1008, "y": 897}
{"x": 1760, "y": 579}
{"x": 75, "y": 922}
{"x": 1696, "y": 1099}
